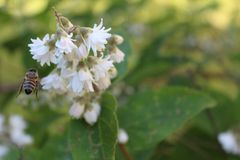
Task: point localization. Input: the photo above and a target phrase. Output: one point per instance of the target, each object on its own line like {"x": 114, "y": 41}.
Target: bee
{"x": 30, "y": 83}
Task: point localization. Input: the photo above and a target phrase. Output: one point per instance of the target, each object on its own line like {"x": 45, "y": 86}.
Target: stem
{"x": 57, "y": 15}
{"x": 124, "y": 151}
{"x": 212, "y": 121}
{"x": 216, "y": 131}
{"x": 20, "y": 154}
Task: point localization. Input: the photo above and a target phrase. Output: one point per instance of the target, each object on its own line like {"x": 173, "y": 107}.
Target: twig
{"x": 9, "y": 88}
{"x": 57, "y": 15}
{"x": 124, "y": 151}
{"x": 212, "y": 121}
{"x": 55, "y": 12}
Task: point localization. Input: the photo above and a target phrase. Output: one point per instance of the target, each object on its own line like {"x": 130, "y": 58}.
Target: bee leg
{"x": 20, "y": 89}
{"x": 36, "y": 90}
{"x": 36, "y": 93}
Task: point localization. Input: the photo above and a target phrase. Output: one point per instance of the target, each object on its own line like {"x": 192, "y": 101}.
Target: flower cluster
{"x": 13, "y": 133}
{"x": 84, "y": 59}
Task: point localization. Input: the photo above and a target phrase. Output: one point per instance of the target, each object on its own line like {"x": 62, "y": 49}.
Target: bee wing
{"x": 39, "y": 86}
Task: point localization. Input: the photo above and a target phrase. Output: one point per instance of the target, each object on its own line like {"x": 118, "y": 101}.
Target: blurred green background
{"x": 192, "y": 43}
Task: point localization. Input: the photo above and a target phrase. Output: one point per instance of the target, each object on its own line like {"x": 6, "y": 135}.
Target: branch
{"x": 124, "y": 151}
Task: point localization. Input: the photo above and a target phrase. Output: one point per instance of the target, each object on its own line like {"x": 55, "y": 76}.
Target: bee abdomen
{"x": 29, "y": 86}
{"x": 28, "y": 91}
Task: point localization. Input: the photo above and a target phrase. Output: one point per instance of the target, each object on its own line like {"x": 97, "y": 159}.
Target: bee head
{"x": 32, "y": 73}
{"x": 32, "y": 70}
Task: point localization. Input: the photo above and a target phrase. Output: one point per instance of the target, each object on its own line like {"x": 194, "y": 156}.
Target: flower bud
{"x": 96, "y": 107}
{"x": 65, "y": 24}
{"x": 116, "y": 55}
{"x": 103, "y": 83}
{"x": 90, "y": 116}
{"x": 76, "y": 110}
{"x": 118, "y": 39}
{"x": 115, "y": 40}
{"x": 122, "y": 136}
{"x": 112, "y": 72}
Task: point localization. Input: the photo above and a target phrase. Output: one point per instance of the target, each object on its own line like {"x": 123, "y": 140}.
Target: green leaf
{"x": 98, "y": 141}
{"x": 194, "y": 144}
{"x": 153, "y": 70}
{"x": 150, "y": 116}
{"x": 56, "y": 148}
{"x": 14, "y": 153}
{"x": 225, "y": 114}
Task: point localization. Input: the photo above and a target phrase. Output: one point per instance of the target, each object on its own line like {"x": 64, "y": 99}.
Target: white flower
{"x": 229, "y": 142}
{"x": 2, "y": 127}
{"x": 41, "y": 50}
{"x": 65, "y": 44}
{"x": 20, "y": 138}
{"x": 76, "y": 110}
{"x": 17, "y": 135}
{"x": 103, "y": 83}
{"x": 17, "y": 123}
{"x": 61, "y": 61}
{"x": 117, "y": 55}
{"x": 98, "y": 38}
{"x": 67, "y": 73}
{"x": 53, "y": 81}
{"x": 101, "y": 68}
{"x": 3, "y": 150}
{"x": 81, "y": 80}
{"x": 122, "y": 136}
{"x": 82, "y": 51}
{"x": 77, "y": 55}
